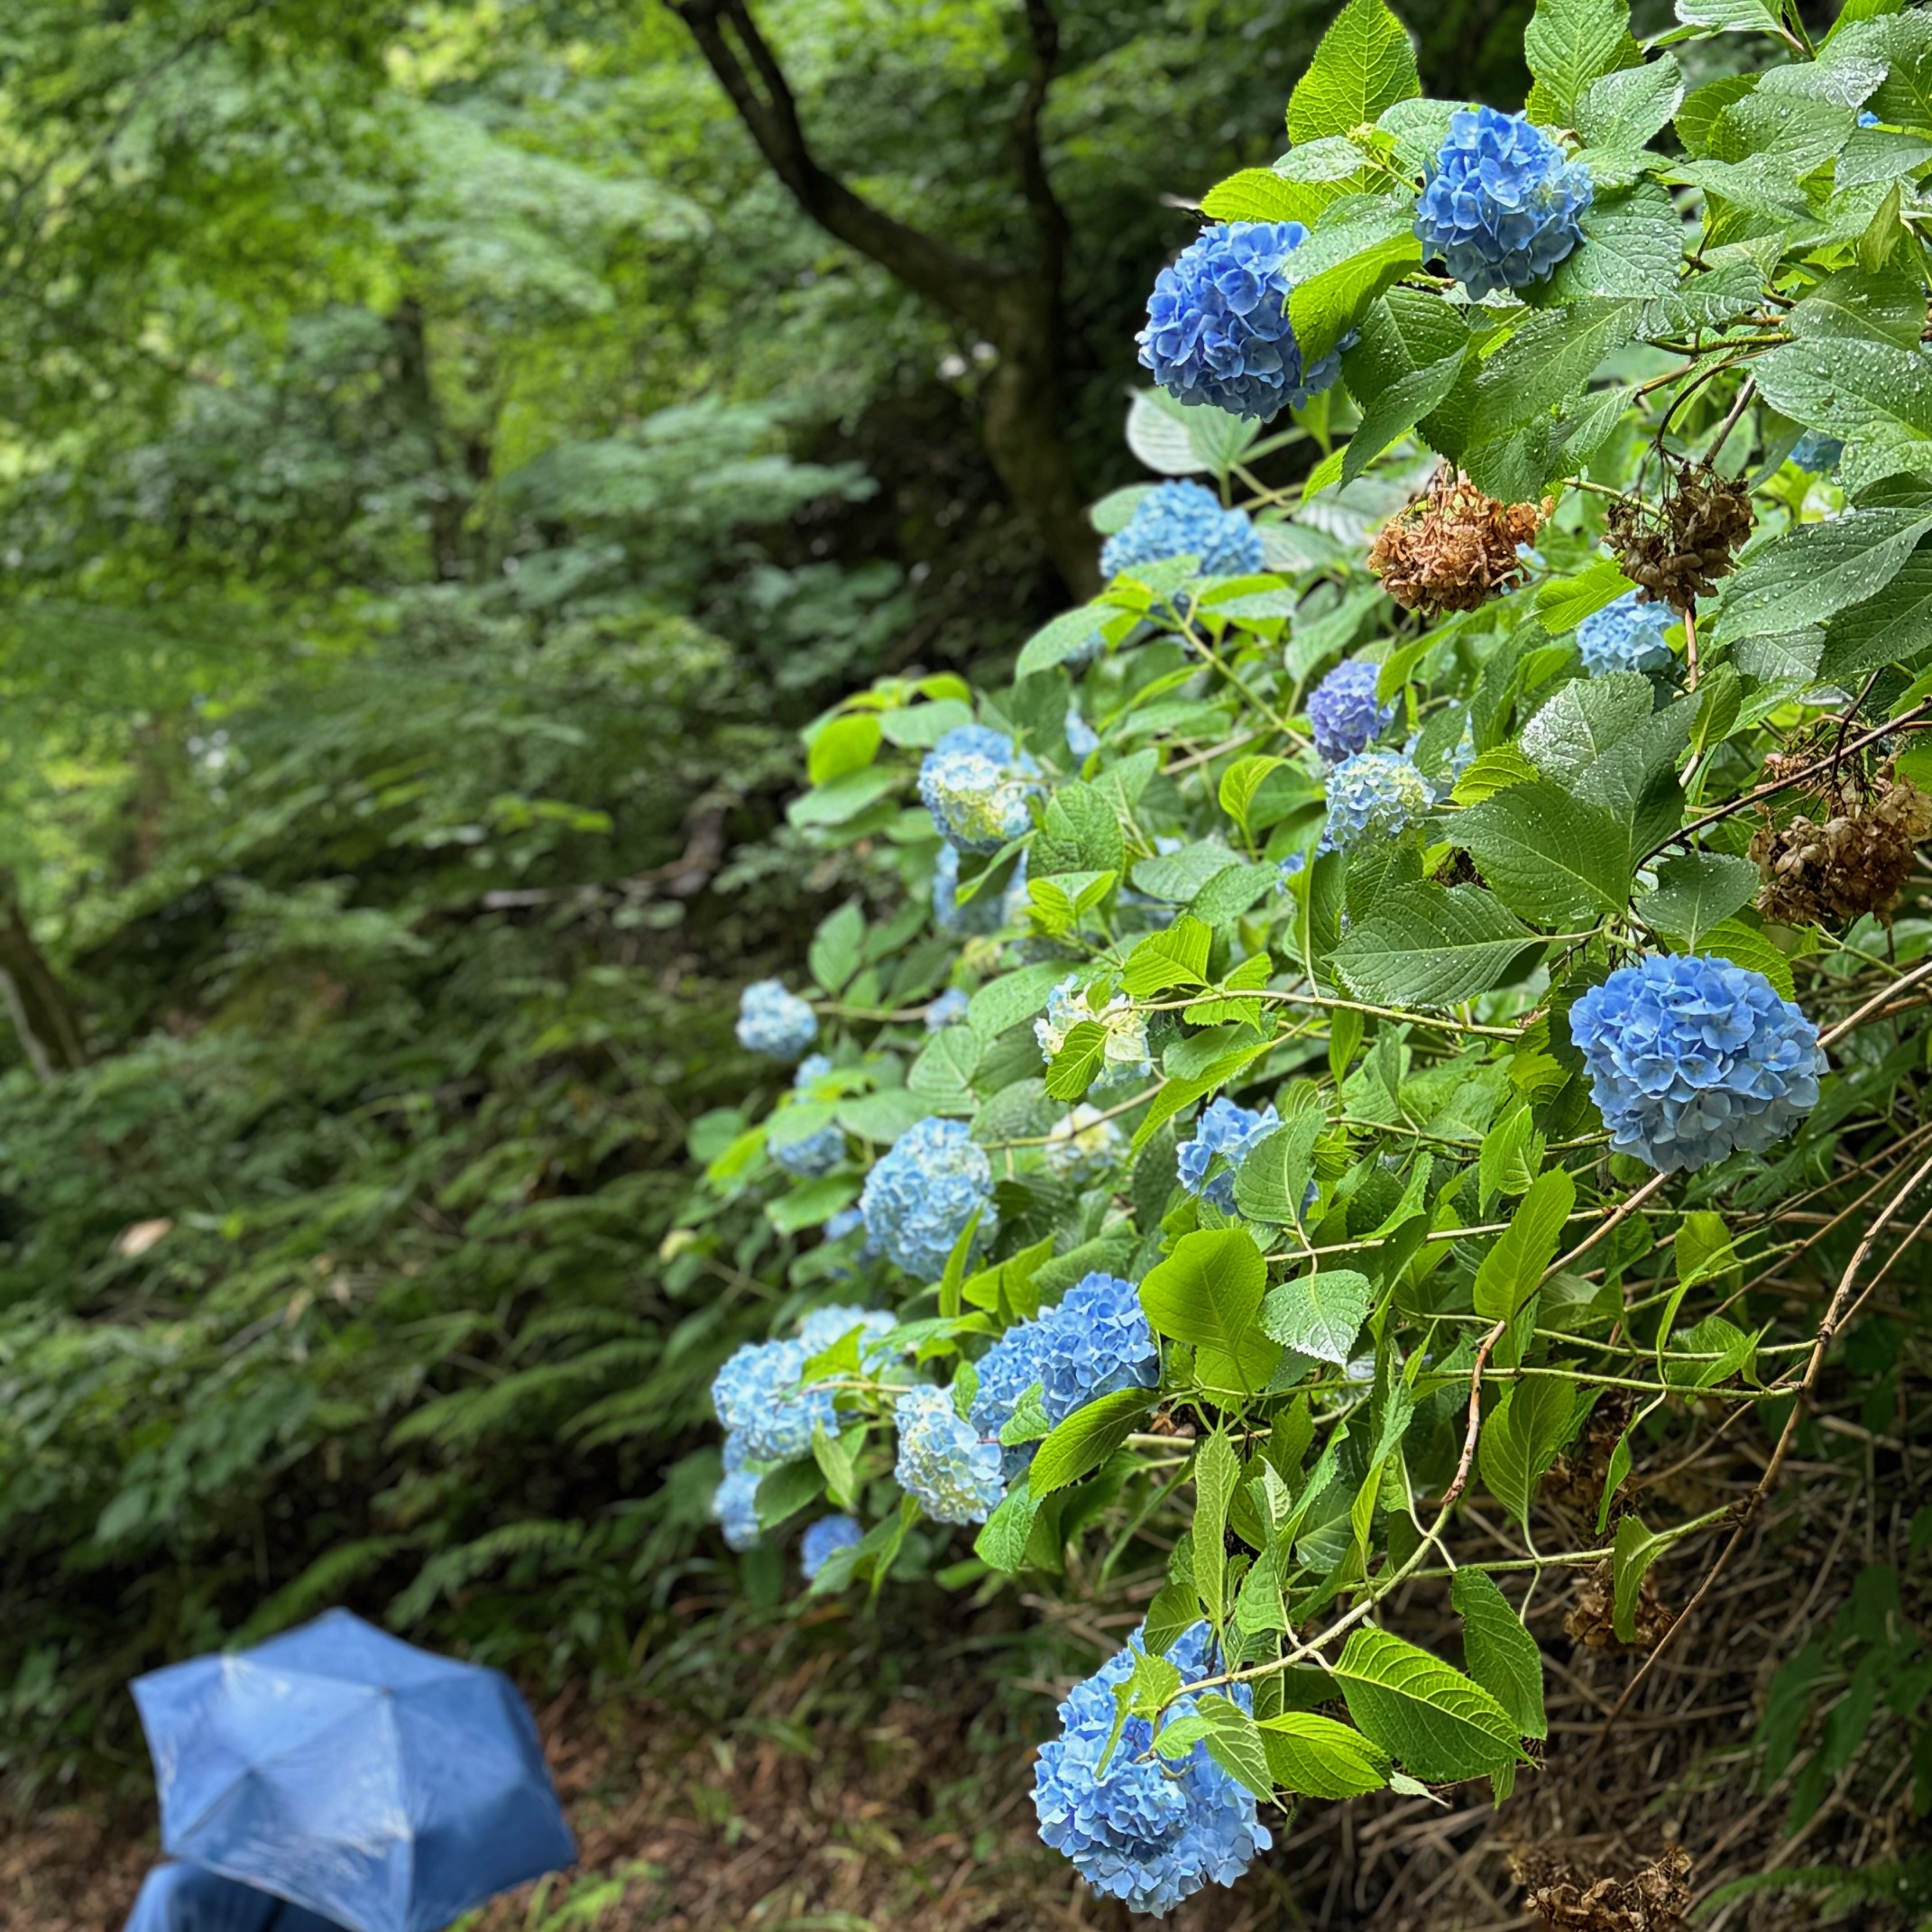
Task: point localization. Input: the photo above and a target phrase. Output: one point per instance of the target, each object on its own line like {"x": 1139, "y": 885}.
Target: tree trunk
{"x": 38, "y": 1004}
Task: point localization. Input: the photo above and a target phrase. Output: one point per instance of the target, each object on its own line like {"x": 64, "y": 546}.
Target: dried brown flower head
{"x": 1850, "y": 860}
{"x": 1578, "y": 1477}
{"x": 1591, "y": 1623}
{"x": 1676, "y": 552}
{"x": 1655, "y": 1901}
{"x": 1453, "y": 549}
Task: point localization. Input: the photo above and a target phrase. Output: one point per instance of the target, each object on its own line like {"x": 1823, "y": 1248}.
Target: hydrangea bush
{"x": 1249, "y": 1143}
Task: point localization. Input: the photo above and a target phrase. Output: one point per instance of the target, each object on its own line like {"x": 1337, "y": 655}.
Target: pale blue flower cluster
{"x": 1343, "y": 712}
{"x": 1148, "y": 1831}
{"x": 734, "y": 1503}
{"x": 773, "y": 1021}
{"x": 1691, "y": 1059}
{"x": 759, "y": 1392}
{"x": 919, "y": 1198}
{"x": 1184, "y": 519}
{"x": 1230, "y": 1133}
{"x": 976, "y": 786}
{"x": 817, "y": 1153}
{"x": 1504, "y": 203}
{"x": 1081, "y": 1143}
{"x": 1218, "y": 329}
{"x": 1625, "y": 636}
{"x": 1083, "y": 740}
{"x": 948, "y": 1010}
{"x": 821, "y": 1538}
{"x": 1125, "y": 1056}
{"x": 1375, "y": 795}
{"x": 824, "y": 1327}
{"x": 1816, "y": 452}
{"x": 943, "y": 1464}
{"x": 1094, "y": 1341}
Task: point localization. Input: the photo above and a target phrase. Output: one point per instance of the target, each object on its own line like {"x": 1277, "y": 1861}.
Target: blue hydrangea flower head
{"x": 1375, "y": 795}
{"x": 1816, "y": 452}
{"x": 1218, "y": 326}
{"x": 1081, "y": 1143}
{"x": 986, "y": 911}
{"x": 758, "y": 1396}
{"x": 1184, "y": 519}
{"x": 1230, "y": 1132}
{"x": 1691, "y": 1059}
{"x": 1626, "y": 635}
{"x": 943, "y": 1464}
{"x": 1083, "y": 740}
{"x": 1125, "y": 1056}
{"x": 812, "y": 1158}
{"x": 1504, "y": 203}
{"x": 1006, "y": 1371}
{"x": 1292, "y": 867}
{"x": 1343, "y": 712}
{"x": 846, "y": 1221}
{"x": 976, "y": 786}
{"x": 825, "y": 1327}
{"x": 821, "y": 1538}
{"x": 1148, "y": 1833}
{"x": 1095, "y": 1341}
{"x": 734, "y": 1509}
{"x": 1868, "y": 119}
{"x": 948, "y": 1010}
{"x": 919, "y": 1198}
{"x": 773, "y": 1021}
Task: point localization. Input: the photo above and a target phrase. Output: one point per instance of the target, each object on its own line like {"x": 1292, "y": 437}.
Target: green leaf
{"x": 1274, "y": 1173}
{"x": 812, "y": 1204}
{"x": 1239, "y": 784}
{"x": 1206, "y": 1293}
{"x": 1549, "y": 857}
{"x": 1086, "y": 1439}
{"x": 1260, "y": 194}
{"x": 1344, "y": 266}
{"x": 1492, "y": 771}
{"x": 1731, "y": 17}
{"x": 1875, "y": 397}
{"x": 1549, "y": 358}
{"x": 1632, "y": 1555}
{"x": 1894, "y": 627}
{"x": 1317, "y": 1757}
{"x": 1584, "y": 719}
{"x": 1696, "y": 891}
{"x": 1078, "y": 832}
{"x": 1521, "y": 1437}
{"x": 1363, "y": 65}
{"x": 1320, "y": 1315}
{"x": 1510, "y": 1271}
{"x": 1501, "y": 1654}
{"x": 1078, "y": 1063}
{"x": 1563, "y": 602}
{"x": 1744, "y": 945}
{"x": 787, "y": 1491}
{"x": 1235, "y": 1744}
{"x": 1176, "y": 956}
{"x": 1428, "y": 946}
{"x": 1626, "y": 108}
{"x": 1440, "y": 1724}
{"x": 838, "y": 948}
{"x": 841, "y": 746}
{"x": 1001, "y": 1543}
{"x": 1217, "y": 1471}
{"x": 1512, "y": 1155}
{"x": 1568, "y": 44}
{"x": 1016, "y": 996}
{"x": 1230, "y": 892}
{"x": 844, "y": 799}
{"x": 1633, "y": 246}
{"x": 1411, "y": 349}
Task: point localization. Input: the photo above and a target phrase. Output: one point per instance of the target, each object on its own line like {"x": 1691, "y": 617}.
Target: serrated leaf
{"x": 1508, "y": 1274}
{"x": 1549, "y": 358}
{"x": 1317, "y": 1757}
{"x": 1069, "y": 635}
{"x": 1176, "y": 956}
{"x": 1274, "y": 1173}
{"x": 1014, "y": 997}
{"x": 1492, "y": 771}
{"x": 1549, "y": 857}
{"x": 1632, "y": 248}
{"x": 1160, "y": 439}
{"x": 1217, "y": 1471}
{"x": 1632, "y": 1555}
{"x": 1362, "y": 66}
{"x": 1078, "y": 1063}
{"x": 838, "y": 948}
{"x": 1320, "y": 1315}
{"x": 1235, "y": 1744}
{"x": 1428, "y": 946}
{"x": 1501, "y": 1654}
{"x": 1584, "y": 719}
{"x": 1512, "y": 1155}
{"x": 1347, "y": 267}
{"x": 1001, "y": 1543}
{"x": 1874, "y": 397}
{"x": 1894, "y": 627}
{"x": 1521, "y": 1437}
{"x": 1631, "y": 104}
{"x": 1440, "y": 1724}
{"x": 842, "y": 746}
{"x": 1086, "y": 1439}
{"x": 1260, "y": 194}
{"x": 1568, "y": 44}
{"x": 1206, "y": 1293}
{"x": 1696, "y": 891}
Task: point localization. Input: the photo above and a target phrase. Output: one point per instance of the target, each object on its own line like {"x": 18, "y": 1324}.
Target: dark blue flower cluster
{"x": 1626, "y": 635}
{"x": 1691, "y": 1059}
{"x": 1094, "y": 1341}
{"x": 1343, "y": 712}
{"x": 917, "y": 1201}
{"x": 1148, "y": 1831}
{"x": 1375, "y": 795}
{"x": 821, "y": 1539}
{"x": 773, "y": 1021}
{"x": 976, "y": 786}
{"x": 1504, "y": 203}
{"x": 1218, "y": 329}
{"x": 1184, "y": 519}
{"x": 943, "y": 1464}
{"x": 1228, "y": 1132}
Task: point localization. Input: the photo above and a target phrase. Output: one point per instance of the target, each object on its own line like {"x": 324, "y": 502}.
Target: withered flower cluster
{"x": 1851, "y": 859}
{"x": 1676, "y": 551}
{"x": 1453, "y": 549}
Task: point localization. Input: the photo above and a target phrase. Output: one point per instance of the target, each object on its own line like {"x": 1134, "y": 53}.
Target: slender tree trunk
{"x": 36, "y": 1002}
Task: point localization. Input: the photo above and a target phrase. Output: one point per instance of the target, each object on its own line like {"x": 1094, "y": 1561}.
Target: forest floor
{"x": 817, "y": 1772}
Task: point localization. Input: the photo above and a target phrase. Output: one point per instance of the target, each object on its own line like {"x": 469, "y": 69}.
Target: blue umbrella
{"x": 381, "y": 1786}
{"x": 186, "y": 1898}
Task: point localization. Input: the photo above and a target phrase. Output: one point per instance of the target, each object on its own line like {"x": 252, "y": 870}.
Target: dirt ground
{"x": 791, "y": 1776}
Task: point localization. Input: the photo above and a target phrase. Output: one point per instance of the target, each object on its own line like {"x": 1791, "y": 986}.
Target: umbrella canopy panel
{"x": 186, "y": 1898}
{"x": 379, "y": 1785}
